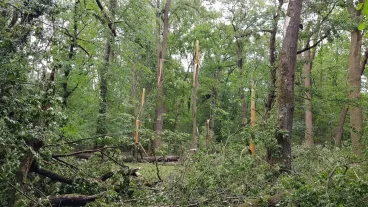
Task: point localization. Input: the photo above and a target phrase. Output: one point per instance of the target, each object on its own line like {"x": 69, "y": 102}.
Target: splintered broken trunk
{"x": 195, "y": 89}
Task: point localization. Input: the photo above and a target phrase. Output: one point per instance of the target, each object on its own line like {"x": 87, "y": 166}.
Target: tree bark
{"x": 161, "y": 54}
{"x": 195, "y": 89}
{"x": 272, "y": 59}
{"x": 354, "y": 81}
{"x": 101, "y": 120}
{"x": 71, "y": 54}
{"x": 71, "y": 199}
{"x": 52, "y": 175}
{"x": 215, "y": 92}
{"x": 273, "y": 68}
{"x": 309, "y": 57}
{"x": 340, "y": 127}
{"x": 285, "y": 83}
{"x": 239, "y": 55}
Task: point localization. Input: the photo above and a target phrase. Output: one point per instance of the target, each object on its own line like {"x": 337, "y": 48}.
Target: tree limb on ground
{"x": 84, "y": 151}
{"x": 50, "y": 174}
{"x": 72, "y": 199}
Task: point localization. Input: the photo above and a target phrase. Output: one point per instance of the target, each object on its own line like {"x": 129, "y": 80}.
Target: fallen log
{"x": 72, "y": 199}
{"x": 50, "y": 174}
{"x": 170, "y": 158}
{"x": 84, "y": 156}
{"x": 85, "y": 152}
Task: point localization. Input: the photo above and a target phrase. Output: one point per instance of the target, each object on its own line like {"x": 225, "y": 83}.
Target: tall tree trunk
{"x": 215, "y": 91}
{"x": 101, "y": 120}
{"x": 179, "y": 104}
{"x": 309, "y": 57}
{"x": 134, "y": 91}
{"x": 355, "y": 71}
{"x": 285, "y": 83}
{"x": 272, "y": 59}
{"x": 253, "y": 119}
{"x": 243, "y": 102}
{"x": 356, "y": 116}
{"x": 195, "y": 89}
{"x": 340, "y": 127}
{"x": 161, "y": 54}
{"x": 71, "y": 54}
{"x": 273, "y": 68}
{"x": 239, "y": 55}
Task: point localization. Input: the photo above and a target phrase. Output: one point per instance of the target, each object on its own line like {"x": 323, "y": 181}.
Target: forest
{"x": 168, "y": 103}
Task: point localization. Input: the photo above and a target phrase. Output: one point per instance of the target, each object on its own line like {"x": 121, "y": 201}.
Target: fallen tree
{"x": 50, "y": 174}
{"x": 72, "y": 199}
{"x": 170, "y": 158}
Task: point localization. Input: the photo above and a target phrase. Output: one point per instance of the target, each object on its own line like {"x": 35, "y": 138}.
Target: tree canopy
{"x": 250, "y": 101}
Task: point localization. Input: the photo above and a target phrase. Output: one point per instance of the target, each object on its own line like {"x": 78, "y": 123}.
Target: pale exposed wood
{"x": 195, "y": 89}
{"x": 253, "y": 118}
{"x": 208, "y": 134}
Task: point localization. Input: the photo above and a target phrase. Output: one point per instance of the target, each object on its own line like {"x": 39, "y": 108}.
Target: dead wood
{"x": 72, "y": 199}
{"x": 50, "y": 174}
{"x": 170, "y": 158}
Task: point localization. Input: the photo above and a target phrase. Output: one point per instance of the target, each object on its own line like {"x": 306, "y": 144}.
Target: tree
{"x": 285, "y": 84}
{"x": 273, "y": 57}
{"x": 314, "y": 32}
{"x": 354, "y": 80}
{"x": 101, "y": 120}
{"x": 161, "y": 55}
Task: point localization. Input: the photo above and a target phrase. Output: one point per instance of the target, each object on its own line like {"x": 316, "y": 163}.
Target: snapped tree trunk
{"x": 161, "y": 54}
{"x": 285, "y": 83}
{"x": 195, "y": 89}
{"x": 253, "y": 119}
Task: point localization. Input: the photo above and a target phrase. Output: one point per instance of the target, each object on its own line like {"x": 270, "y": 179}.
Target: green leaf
{"x": 359, "y": 6}
{"x": 361, "y": 26}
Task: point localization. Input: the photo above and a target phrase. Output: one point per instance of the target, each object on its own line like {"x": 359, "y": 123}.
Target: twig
{"x": 42, "y": 194}
{"x": 143, "y": 149}
{"x": 314, "y": 45}
{"x": 83, "y": 139}
{"x": 85, "y": 151}
{"x": 157, "y": 170}
{"x": 114, "y": 160}
{"x": 25, "y": 195}
{"x": 65, "y": 163}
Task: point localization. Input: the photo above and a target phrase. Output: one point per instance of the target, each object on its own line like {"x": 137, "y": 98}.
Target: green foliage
{"x": 50, "y": 56}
